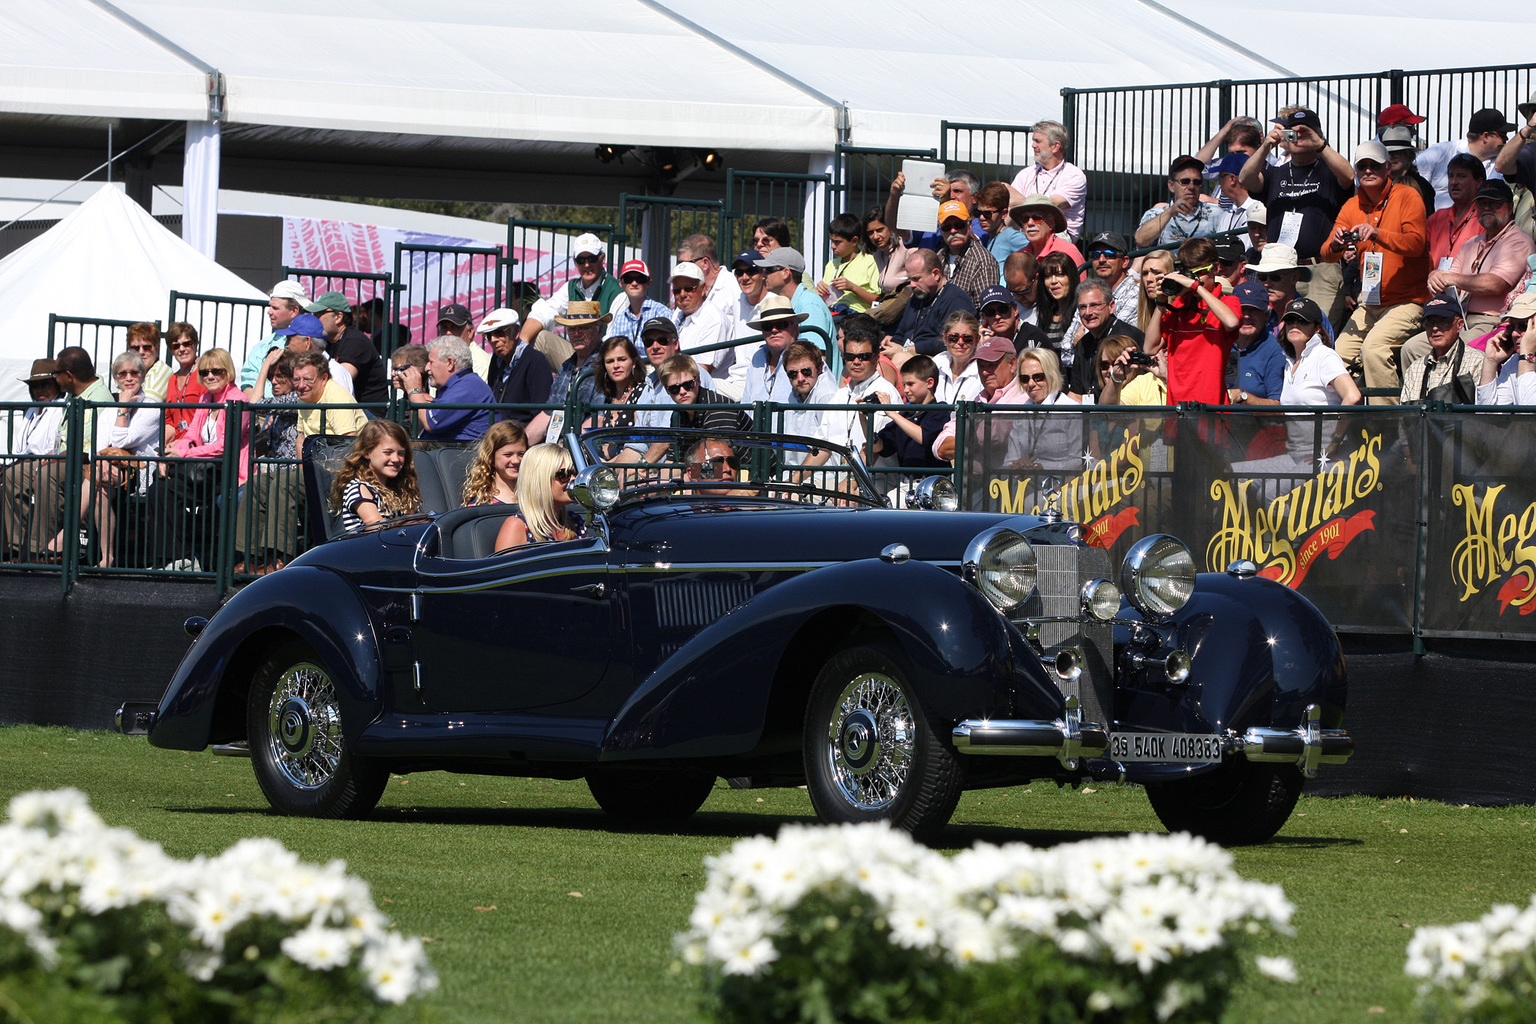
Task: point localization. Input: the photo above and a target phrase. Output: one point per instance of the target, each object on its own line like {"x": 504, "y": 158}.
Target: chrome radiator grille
{"x": 1063, "y": 569}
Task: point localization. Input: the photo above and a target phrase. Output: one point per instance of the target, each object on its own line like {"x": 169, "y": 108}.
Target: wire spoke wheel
{"x": 304, "y": 726}
{"x": 299, "y": 744}
{"x": 868, "y": 751}
{"x": 870, "y": 742}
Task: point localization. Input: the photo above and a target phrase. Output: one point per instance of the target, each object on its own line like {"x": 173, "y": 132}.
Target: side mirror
{"x": 596, "y": 488}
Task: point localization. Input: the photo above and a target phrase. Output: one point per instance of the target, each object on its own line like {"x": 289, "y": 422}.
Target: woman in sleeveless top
{"x": 544, "y": 504}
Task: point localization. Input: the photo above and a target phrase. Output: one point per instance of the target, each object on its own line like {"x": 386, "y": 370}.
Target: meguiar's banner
{"x": 1329, "y": 503}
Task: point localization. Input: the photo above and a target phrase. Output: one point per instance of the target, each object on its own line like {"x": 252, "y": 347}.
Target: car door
{"x": 529, "y": 629}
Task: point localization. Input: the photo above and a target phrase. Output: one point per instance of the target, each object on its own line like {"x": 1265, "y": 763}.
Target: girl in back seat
{"x": 377, "y": 480}
{"x": 492, "y": 477}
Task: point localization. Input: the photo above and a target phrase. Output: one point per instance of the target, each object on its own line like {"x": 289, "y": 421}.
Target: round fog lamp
{"x": 1101, "y": 599}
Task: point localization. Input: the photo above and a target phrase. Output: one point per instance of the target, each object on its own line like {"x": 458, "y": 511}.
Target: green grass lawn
{"x": 537, "y": 911}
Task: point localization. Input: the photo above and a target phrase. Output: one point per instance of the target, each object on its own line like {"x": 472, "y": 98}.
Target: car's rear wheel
{"x": 298, "y": 746}
{"x": 869, "y": 753}
{"x": 1235, "y": 805}
{"x": 638, "y": 796}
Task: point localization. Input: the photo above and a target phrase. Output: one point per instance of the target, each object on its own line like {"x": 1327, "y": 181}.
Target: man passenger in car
{"x": 711, "y": 463}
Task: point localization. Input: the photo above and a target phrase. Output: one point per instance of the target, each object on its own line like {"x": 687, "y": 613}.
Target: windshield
{"x": 724, "y": 464}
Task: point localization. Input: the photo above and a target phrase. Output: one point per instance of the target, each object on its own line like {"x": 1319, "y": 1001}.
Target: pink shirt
{"x": 1505, "y": 257}
{"x": 1058, "y": 244}
{"x": 1010, "y": 395}
{"x": 1066, "y": 180}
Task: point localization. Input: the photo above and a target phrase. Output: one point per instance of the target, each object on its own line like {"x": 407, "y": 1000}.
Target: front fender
{"x": 1261, "y": 653}
{"x": 205, "y": 702}
{"x": 712, "y": 696}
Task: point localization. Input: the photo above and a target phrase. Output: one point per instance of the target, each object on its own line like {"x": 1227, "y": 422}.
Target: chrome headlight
{"x": 1001, "y": 564}
{"x": 1101, "y": 599}
{"x": 934, "y": 492}
{"x": 596, "y": 487}
{"x": 1158, "y": 576}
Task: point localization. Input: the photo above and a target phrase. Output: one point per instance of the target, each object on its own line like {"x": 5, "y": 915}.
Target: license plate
{"x": 1165, "y": 747}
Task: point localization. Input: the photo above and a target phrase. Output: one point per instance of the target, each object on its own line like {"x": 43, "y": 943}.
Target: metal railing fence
{"x": 101, "y": 339}
{"x": 1124, "y": 138}
{"x": 221, "y": 321}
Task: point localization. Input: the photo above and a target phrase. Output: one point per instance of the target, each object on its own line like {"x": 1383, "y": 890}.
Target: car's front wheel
{"x": 1235, "y": 805}
{"x": 869, "y": 753}
{"x": 638, "y": 796}
{"x": 298, "y": 748}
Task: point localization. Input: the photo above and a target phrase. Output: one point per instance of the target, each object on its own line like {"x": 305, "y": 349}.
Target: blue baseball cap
{"x": 996, "y": 293}
{"x": 1232, "y": 163}
{"x": 749, "y": 257}
{"x": 1252, "y": 294}
{"x": 305, "y": 325}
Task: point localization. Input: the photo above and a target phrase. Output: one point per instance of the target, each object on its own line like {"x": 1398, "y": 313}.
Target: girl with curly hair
{"x": 492, "y": 477}
{"x": 377, "y": 479}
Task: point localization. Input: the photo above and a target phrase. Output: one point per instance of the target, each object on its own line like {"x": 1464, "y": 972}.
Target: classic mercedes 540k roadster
{"x": 758, "y": 619}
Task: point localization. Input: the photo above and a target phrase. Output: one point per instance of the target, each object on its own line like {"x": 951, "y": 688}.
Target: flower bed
{"x": 860, "y": 923}
{"x": 97, "y": 924}
{"x": 1478, "y": 972}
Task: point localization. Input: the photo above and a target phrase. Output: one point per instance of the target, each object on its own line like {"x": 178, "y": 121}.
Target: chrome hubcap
{"x": 870, "y": 742}
{"x": 304, "y": 734}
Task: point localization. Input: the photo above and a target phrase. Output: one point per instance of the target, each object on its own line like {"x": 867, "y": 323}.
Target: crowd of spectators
{"x": 1278, "y": 271}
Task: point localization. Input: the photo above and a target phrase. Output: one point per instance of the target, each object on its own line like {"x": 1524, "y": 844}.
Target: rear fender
{"x": 205, "y": 702}
{"x": 712, "y": 697}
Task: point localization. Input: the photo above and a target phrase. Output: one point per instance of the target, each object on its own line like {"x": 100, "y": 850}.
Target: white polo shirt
{"x": 952, "y": 389}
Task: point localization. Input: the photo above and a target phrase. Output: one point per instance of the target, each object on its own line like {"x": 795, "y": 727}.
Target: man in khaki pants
{"x": 1381, "y": 228}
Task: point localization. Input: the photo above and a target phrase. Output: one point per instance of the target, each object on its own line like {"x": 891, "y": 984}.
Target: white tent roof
{"x": 693, "y": 73}
{"x": 109, "y": 259}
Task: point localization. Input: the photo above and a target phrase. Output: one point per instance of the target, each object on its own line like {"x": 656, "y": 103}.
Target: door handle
{"x": 596, "y": 591}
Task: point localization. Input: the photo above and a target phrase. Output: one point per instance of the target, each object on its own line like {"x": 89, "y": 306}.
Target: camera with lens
{"x": 1140, "y": 358}
{"x": 872, "y": 399}
{"x": 1350, "y": 237}
{"x": 1288, "y": 135}
{"x": 1172, "y": 288}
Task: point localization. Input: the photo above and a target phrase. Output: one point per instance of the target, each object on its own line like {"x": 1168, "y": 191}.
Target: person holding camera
{"x": 1452, "y": 369}
{"x": 1509, "y": 359}
{"x": 1128, "y": 376}
{"x": 1383, "y": 228}
{"x": 1302, "y": 199}
{"x": 1197, "y": 324}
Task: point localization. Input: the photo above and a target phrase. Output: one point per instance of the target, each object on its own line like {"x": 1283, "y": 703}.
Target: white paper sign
{"x": 917, "y": 210}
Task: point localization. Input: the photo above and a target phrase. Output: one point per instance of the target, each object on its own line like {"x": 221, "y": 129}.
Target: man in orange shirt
{"x": 1382, "y": 227}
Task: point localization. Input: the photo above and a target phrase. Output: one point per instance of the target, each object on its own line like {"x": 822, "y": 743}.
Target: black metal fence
{"x": 233, "y": 324}
{"x": 1124, "y": 138}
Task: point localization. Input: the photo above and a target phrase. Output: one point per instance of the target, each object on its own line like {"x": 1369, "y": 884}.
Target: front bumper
{"x": 1307, "y": 745}
{"x": 1067, "y": 738}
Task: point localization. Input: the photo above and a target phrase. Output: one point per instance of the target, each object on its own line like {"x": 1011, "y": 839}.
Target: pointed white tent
{"x": 107, "y": 259}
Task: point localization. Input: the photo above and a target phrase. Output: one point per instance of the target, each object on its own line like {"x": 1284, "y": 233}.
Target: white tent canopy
{"x": 693, "y": 73}
{"x": 109, "y": 259}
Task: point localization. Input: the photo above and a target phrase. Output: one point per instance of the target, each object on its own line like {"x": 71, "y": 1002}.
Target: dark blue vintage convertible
{"x": 770, "y": 623}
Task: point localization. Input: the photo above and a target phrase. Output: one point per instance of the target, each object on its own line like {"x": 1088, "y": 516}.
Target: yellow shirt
{"x": 336, "y": 421}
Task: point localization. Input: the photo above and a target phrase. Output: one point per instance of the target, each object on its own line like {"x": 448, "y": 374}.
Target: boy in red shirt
{"x": 1198, "y": 325}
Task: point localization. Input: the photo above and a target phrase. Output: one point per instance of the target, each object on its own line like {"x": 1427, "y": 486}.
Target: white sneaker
{"x": 185, "y": 565}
